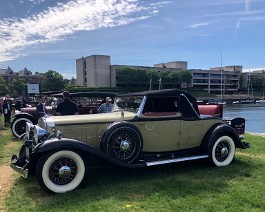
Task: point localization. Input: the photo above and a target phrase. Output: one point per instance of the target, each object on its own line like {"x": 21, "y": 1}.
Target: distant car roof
{"x": 88, "y": 94}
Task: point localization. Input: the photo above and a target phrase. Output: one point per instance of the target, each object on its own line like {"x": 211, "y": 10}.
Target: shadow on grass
{"x": 122, "y": 185}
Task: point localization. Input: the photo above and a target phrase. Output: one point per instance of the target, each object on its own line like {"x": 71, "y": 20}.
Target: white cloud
{"x": 198, "y": 25}
{"x": 247, "y": 5}
{"x": 63, "y": 20}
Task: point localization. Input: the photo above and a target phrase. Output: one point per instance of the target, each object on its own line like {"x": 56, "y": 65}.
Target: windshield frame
{"x": 137, "y": 111}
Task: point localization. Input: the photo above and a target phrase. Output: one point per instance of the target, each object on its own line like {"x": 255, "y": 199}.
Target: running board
{"x": 175, "y": 160}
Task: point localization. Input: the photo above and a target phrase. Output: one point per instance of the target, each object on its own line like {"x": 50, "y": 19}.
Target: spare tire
{"x": 122, "y": 141}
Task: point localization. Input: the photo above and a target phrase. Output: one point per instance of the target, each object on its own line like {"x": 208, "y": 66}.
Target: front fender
{"x": 89, "y": 152}
{"x": 25, "y": 115}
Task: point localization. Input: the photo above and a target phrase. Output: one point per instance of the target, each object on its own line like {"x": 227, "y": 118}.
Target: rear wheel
{"x": 61, "y": 171}
{"x": 222, "y": 150}
{"x": 18, "y": 126}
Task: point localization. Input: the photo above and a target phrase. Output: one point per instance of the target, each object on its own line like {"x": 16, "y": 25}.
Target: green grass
{"x": 188, "y": 186}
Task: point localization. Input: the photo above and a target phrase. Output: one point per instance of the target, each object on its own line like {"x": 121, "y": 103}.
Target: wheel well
{"x": 218, "y": 130}
{"x": 26, "y": 116}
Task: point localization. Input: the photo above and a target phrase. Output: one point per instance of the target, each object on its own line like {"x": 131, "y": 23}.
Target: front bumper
{"x": 246, "y": 145}
{"x": 24, "y": 172}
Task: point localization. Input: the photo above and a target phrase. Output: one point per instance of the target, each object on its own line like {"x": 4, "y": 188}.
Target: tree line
{"x": 129, "y": 77}
{"x": 125, "y": 78}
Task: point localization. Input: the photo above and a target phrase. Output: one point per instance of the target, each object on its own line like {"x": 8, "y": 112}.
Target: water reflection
{"x": 253, "y": 113}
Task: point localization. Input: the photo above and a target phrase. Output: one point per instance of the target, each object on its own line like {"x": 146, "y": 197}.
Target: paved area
{"x": 255, "y": 133}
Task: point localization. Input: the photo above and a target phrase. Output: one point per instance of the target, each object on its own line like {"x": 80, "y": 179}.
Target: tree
{"x": 258, "y": 82}
{"x": 53, "y": 81}
{"x": 3, "y": 87}
{"x": 175, "y": 78}
{"x": 18, "y": 86}
{"x": 186, "y": 77}
{"x": 125, "y": 76}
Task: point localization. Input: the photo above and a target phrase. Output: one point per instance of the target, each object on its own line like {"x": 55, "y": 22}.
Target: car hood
{"x": 92, "y": 118}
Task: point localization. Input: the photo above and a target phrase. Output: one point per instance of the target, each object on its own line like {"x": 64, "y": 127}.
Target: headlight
{"x": 39, "y": 133}
{"x": 29, "y": 130}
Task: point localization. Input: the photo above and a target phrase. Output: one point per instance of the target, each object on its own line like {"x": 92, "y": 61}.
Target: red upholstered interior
{"x": 213, "y": 110}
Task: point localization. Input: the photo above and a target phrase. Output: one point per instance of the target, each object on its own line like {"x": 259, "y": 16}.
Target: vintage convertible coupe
{"x": 145, "y": 129}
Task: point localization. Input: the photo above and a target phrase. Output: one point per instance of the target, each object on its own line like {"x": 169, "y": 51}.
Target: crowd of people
{"x": 65, "y": 107}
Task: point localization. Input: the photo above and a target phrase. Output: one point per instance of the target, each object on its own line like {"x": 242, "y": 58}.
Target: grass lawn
{"x": 187, "y": 186}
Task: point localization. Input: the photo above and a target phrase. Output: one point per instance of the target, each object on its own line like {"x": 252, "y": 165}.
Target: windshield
{"x": 128, "y": 103}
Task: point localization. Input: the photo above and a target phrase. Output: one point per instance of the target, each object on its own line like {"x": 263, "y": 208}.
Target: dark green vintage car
{"x": 145, "y": 129}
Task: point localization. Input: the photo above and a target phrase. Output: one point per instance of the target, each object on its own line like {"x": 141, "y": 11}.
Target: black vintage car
{"x": 145, "y": 129}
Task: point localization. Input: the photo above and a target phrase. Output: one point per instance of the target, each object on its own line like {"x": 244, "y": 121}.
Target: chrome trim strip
{"x": 23, "y": 172}
{"x": 176, "y": 160}
{"x": 141, "y": 107}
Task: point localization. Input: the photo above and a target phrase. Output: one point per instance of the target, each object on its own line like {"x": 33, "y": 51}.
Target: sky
{"x": 44, "y": 35}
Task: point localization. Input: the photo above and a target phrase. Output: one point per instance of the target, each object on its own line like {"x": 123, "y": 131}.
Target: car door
{"x": 160, "y": 125}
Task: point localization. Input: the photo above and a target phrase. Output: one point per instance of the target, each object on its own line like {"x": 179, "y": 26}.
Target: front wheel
{"x": 61, "y": 171}
{"x": 222, "y": 150}
{"x": 18, "y": 126}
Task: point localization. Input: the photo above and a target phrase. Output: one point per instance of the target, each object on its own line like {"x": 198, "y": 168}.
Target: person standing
{"x": 7, "y": 108}
{"x": 66, "y": 107}
{"x": 106, "y": 107}
{"x": 1, "y": 111}
{"x": 41, "y": 108}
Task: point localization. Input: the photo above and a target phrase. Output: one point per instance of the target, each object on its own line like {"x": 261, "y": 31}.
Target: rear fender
{"x": 221, "y": 129}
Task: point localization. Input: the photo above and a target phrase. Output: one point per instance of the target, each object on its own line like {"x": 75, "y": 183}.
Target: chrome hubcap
{"x": 65, "y": 171}
{"x": 224, "y": 151}
{"x": 124, "y": 145}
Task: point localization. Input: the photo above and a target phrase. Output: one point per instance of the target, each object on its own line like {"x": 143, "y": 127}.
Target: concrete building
{"x": 247, "y": 77}
{"x": 178, "y": 65}
{"x": 95, "y": 71}
{"x": 215, "y": 80}
{"x": 8, "y": 75}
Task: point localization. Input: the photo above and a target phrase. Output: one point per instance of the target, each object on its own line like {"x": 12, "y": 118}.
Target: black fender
{"x": 218, "y": 130}
{"x": 25, "y": 115}
{"x": 91, "y": 154}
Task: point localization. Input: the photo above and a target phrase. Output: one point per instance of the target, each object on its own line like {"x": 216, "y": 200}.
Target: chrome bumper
{"x": 22, "y": 171}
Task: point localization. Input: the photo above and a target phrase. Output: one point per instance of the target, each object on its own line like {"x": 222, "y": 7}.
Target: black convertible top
{"x": 165, "y": 92}
{"x": 187, "y": 101}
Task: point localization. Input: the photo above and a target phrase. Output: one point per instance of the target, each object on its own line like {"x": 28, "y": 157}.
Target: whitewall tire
{"x": 61, "y": 171}
{"x": 222, "y": 150}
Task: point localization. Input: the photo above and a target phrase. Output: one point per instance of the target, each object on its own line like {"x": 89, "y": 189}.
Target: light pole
{"x": 159, "y": 85}
{"x": 150, "y": 84}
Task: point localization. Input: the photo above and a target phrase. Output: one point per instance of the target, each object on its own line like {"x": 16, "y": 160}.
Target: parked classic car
{"x": 88, "y": 102}
{"x": 145, "y": 129}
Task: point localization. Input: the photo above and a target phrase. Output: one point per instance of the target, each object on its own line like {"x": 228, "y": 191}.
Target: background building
{"x": 97, "y": 71}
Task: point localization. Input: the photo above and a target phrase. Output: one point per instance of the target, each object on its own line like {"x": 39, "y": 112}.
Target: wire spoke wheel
{"x": 61, "y": 171}
{"x": 122, "y": 141}
{"x": 222, "y": 150}
{"x": 19, "y": 126}
{"x": 122, "y": 145}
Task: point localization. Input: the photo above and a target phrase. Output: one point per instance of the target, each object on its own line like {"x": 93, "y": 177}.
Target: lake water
{"x": 253, "y": 113}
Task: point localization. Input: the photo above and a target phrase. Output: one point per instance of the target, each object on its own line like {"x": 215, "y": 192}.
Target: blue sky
{"x": 52, "y": 34}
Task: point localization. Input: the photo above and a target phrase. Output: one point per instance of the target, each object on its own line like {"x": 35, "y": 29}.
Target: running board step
{"x": 175, "y": 160}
